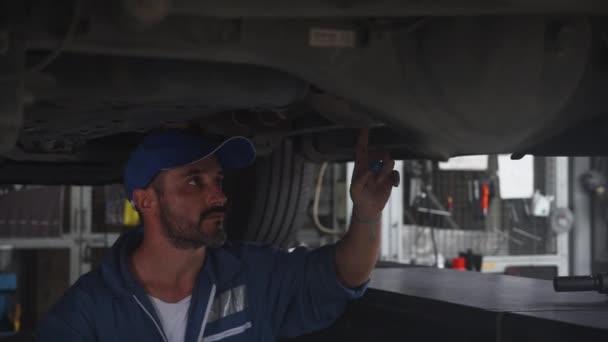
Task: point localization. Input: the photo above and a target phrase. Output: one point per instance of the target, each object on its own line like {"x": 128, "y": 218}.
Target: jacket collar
{"x": 221, "y": 264}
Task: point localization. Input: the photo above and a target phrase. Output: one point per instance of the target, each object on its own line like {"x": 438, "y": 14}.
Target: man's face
{"x": 192, "y": 204}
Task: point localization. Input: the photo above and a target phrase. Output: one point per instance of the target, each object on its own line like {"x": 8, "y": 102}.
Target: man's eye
{"x": 194, "y": 182}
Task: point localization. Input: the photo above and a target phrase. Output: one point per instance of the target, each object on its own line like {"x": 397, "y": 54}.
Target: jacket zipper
{"x": 209, "y": 304}
{"x": 160, "y": 330}
{"x": 228, "y": 333}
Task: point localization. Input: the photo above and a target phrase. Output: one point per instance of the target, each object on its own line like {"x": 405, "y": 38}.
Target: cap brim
{"x": 236, "y": 153}
{"x": 233, "y": 153}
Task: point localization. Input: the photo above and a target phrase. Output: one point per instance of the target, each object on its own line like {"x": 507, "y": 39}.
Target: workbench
{"x": 428, "y": 304}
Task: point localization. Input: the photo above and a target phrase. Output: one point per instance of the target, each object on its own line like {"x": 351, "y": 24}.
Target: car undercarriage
{"x": 84, "y": 80}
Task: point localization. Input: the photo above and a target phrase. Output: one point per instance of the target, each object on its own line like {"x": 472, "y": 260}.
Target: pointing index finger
{"x": 363, "y": 140}
{"x": 361, "y": 152}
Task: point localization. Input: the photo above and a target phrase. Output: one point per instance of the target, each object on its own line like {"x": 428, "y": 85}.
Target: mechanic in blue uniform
{"x": 175, "y": 279}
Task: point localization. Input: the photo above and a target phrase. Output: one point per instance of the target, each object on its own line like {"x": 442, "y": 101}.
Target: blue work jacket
{"x": 244, "y": 292}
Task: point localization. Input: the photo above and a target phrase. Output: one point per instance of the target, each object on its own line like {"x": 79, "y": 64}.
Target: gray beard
{"x": 184, "y": 235}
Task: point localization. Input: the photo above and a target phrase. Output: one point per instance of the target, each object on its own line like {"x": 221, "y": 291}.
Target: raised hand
{"x": 370, "y": 190}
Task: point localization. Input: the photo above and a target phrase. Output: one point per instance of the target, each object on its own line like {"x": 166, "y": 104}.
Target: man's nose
{"x": 217, "y": 198}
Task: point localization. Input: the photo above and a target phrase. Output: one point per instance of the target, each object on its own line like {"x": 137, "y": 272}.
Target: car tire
{"x": 268, "y": 201}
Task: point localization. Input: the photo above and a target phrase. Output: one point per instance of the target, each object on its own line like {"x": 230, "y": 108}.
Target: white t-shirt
{"x": 173, "y": 317}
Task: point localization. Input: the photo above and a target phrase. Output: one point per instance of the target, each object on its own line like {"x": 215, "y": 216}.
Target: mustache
{"x": 210, "y": 211}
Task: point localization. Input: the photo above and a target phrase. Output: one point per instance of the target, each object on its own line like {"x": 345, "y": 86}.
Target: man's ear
{"x": 143, "y": 200}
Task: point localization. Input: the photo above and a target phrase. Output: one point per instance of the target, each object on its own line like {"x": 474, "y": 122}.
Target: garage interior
{"x": 456, "y": 216}
{"x": 470, "y": 247}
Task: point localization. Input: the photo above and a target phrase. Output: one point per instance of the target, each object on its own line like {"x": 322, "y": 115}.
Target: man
{"x": 175, "y": 279}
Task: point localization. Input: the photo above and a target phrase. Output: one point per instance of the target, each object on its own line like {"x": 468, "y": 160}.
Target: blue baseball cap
{"x": 171, "y": 149}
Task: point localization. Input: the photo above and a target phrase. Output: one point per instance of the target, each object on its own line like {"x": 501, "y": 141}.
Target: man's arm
{"x": 357, "y": 252}
{"x": 310, "y": 289}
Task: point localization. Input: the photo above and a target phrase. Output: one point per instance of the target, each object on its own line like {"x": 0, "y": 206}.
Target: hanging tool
{"x": 434, "y": 211}
{"x": 485, "y": 199}
{"x": 526, "y": 234}
{"x": 435, "y": 201}
{"x": 514, "y": 215}
{"x": 475, "y": 205}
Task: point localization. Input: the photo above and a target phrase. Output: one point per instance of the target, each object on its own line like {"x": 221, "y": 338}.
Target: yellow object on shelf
{"x": 15, "y": 317}
{"x": 130, "y": 215}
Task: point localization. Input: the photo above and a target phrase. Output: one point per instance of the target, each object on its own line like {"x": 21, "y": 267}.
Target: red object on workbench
{"x": 459, "y": 263}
